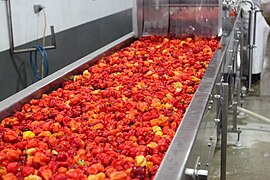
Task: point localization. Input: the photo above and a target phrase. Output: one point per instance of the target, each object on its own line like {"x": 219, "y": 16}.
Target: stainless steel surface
{"x": 234, "y": 74}
{"x": 11, "y": 38}
{"x": 197, "y": 174}
{"x": 250, "y": 47}
{"x": 31, "y": 49}
{"x": 201, "y": 19}
{"x": 196, "y": 17}
{"x": 192, "y": 137}
{"x": 252, "y": 160}
{"x": 10, "y": 29}
{"x": 155, "y": 18}
{"x": 53, "y": 81}
{"x": 204, "y": 145}
{"x": 173, "y": 164}
{"x": 217, "y": 117}
{"x": 137, "y": 17}
{"x": 236, "y": 87}
{"x": 224, "y": 117}
{"x": 53, "y": 36}
{"x": 235, "y": 79}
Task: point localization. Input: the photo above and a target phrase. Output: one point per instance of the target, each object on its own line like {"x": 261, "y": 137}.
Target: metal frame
{"x": 251, "y": 37}
{"x": 236, "y": 78}
{"x": 236, "y": 67}
{"x": 11, "y": 38}
{"x": 137, "y": 17}
{"x": 224, "y": 92}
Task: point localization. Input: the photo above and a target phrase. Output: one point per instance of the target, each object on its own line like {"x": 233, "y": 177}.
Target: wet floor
{"x": 252, "y": 159}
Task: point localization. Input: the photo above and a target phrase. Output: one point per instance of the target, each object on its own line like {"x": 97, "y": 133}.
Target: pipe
{"x": 250, "y": 46}
{"x": 10, "y": 29}
{"x": 251, "y": 113}
{"x": 31, "y": 49}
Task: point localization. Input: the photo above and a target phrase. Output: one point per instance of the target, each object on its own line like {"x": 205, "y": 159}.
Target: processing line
{"x": 205, "y": 121}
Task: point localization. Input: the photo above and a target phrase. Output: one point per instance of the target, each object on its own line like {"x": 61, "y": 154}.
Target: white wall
{"x": 62, "y": 14}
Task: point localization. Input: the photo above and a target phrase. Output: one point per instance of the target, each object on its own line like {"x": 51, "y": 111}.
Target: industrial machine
{"x": 205, "y": 121}
{"x": 162, "y": 17}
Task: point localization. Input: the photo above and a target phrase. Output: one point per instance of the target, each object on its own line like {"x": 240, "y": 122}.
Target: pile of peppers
{"x": 115, "y": 121}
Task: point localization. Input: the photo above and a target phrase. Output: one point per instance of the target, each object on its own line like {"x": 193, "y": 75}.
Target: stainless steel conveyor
{"x": 190, "y": 153}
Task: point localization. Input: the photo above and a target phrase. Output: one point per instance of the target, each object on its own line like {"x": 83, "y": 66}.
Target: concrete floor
{"x": 251, "y": 160}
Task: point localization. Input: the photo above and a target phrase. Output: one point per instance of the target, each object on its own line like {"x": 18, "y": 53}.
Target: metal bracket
{"x": 196, "y": 174}
{"x": 11, "y": 38}
{"x": 199, "y": 174}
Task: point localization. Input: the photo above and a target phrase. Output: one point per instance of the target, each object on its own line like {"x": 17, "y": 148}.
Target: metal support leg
{"x": 218, "y": 110}
{"x": 236, "y": 84}
{"x": 224, "y": 116}
{"x": 250, "y": 47}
